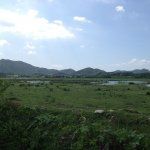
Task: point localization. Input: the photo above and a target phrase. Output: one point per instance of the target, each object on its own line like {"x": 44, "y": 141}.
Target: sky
{"x": 59, "y": 34}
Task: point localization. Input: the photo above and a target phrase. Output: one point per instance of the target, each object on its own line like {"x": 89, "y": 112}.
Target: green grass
{"x": 23, "y": 127}
{"x": 82, "y": 96}
{"x": 60, "y": 115}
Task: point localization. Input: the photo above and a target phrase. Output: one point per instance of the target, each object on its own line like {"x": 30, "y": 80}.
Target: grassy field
{"x": 60, "y": 115}
{"x": 84, "y": 95}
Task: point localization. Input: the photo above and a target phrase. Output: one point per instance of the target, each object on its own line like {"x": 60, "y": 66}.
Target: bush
{"x": 98, "y": 89}
{"x": 147, "y": 93}
{"x": 51, "y": 89}
{"x": 66, "y": 89}
{"x": 22, "y": 85}
{"x": 131, "y": 83}
{"x": 23, "y": 127}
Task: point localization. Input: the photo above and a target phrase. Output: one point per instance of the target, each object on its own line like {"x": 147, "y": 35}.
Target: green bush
{"x": 147, "y": 93}
{"x": 66, "y": 89}
{"x": 23, "y": 127}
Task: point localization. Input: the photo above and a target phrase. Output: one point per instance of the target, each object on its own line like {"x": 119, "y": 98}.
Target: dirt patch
{"x": 14, "y": 103}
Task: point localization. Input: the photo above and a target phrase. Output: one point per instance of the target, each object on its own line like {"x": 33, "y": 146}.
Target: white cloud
{"x": 59, "y": 22}
{"x": 31, "y": 52}
{"x": 142, "y": 63}
{"x": 81, "y": 19}
{"x": 129, "y": 65}
{"x": 30, "y": 49}
{"x": 3, "y": 43}
{"x": 29, "y": 46}
{"x": 30, "y": 25}
{"x": 32, "y": 13}
{"x": 132, "y": 61}
{"x": 120, "y": 8}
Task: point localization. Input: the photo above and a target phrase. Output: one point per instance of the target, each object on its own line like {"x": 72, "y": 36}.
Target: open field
{"x": 76, "y": 94}
{"x": 59, "y": 114}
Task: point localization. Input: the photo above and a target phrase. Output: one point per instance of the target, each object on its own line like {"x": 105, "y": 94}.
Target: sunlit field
{"x": 81, "y": 94}
{"x": 74, "y": 114}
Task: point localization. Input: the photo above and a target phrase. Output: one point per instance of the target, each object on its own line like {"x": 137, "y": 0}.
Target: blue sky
{"x": 104, "y": 34}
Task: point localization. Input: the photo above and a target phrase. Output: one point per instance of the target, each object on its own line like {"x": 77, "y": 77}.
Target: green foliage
{"x": 41, "y": 129}
{"x": 61, "y": 116}
{"x": 66, "y": 89}
{"x": 3, "y": 86}
{"x": 147, "y": 93}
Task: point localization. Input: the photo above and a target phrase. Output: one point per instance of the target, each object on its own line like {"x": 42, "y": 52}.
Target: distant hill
{"x": 68, "y": 71}
{"x": 89, "y": 72}
{"x": 22, "y": 68}
{"x": 139, "y": 71}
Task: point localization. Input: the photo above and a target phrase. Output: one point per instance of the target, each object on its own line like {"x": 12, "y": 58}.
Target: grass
{"x": 80, "y": 95}
{"x": 60, "y": 115}
{"x": 23, "y": 127}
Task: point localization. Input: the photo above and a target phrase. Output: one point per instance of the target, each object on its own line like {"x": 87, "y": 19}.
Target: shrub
{"x": 51, "y": 89}
{"x": 98, "y": 89}
{"x": 53, "y": 129}
{"x": 66, "y": 89}
{"x": 22, "y": 84}
{"x": 131, "y": 83}
{"x": 147, "y": 93}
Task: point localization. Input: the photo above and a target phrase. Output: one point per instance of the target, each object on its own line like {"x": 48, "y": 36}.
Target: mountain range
{"x": 21, "y": 68}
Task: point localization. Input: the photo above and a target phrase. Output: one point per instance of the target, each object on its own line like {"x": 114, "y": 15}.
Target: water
{"x": 148, "y": 85}
{"x": 111, "y": 82}
{"x": 38, "y": 82}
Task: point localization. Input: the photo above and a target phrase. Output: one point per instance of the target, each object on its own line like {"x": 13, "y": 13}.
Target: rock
{"x": 99, "y": 111}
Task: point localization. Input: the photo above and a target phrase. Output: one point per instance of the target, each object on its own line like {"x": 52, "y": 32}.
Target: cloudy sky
{"x": 105, "y": 34}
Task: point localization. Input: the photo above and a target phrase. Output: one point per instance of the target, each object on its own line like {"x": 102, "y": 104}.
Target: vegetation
{"x": 9, "y": 68}
{"x": 59, "y": 114}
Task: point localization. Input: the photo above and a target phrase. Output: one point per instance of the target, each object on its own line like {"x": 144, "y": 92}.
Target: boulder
{"x": 99, "y": 111}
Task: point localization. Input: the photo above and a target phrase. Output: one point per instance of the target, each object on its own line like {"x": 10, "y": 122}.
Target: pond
{"x": 111, "y": 83}
{"x": 38, "y": 82}
{"x": 115, "y": 82}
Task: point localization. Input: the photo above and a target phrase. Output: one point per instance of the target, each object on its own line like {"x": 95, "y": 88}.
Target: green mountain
{"x": 89, "y": 72}
{"x": 68, "y": 71}
{"x": 139, "y": 71}
{"x": 22, "y": 68}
